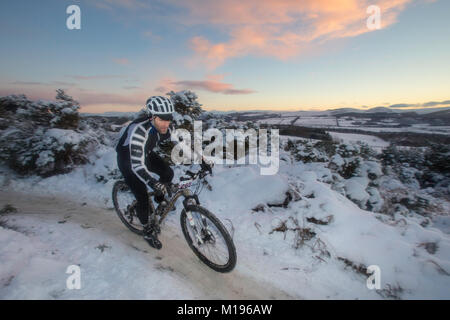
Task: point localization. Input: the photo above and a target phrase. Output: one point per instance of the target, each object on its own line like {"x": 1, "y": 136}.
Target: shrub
{"x": 41, "y": 137}
{"x": 185, "y": 103}
{"x": 349, "y": 169}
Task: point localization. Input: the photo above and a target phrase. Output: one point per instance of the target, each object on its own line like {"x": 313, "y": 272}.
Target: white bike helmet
{"x": 160, "y": 106}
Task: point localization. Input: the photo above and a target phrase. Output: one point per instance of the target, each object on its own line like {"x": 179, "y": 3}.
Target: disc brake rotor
{"x": 207, "y": 236}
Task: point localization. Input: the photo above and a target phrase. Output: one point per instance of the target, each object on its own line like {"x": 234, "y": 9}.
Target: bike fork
{"x": 194, "y": 227}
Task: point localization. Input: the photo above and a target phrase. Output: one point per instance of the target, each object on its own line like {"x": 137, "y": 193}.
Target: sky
{"x": 234, "y": 54}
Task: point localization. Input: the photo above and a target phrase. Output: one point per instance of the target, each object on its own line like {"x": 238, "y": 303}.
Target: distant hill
{"x": 380, "y": 109}
{"x": 442, "y": 114}
{"x": 344, "y": 110}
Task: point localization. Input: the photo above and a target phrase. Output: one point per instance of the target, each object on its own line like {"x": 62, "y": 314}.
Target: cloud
{"x": 402, "y": 105}
{"x": 421, "y": 105}
{"x": 165, "y": 85}
{"x": 151, "y": 35}
{"x": 434, "y": 103}
{"x": 239, "y": 91}
{"x": 92, "y": 98}
{"x": 275, "y": 28}
{"x": 37, "y": 90}
{"x": 161, "y": 89}
{"x": 36, "y": 83}
{"x": 282, "y": 29}
{"x": 212, "y": 86}
{"x": 110, "y": 76}
{"x": 121, "y": 61}
{"x": 29, "y": 83}
{"x": 132, "y": 96}
{"x": 131, "y": 87}
{"x": 62, "y": 83}
{"x": 122, "y": 4}
{"x": 213, "y": 83}
{"x": 279, "y": 28}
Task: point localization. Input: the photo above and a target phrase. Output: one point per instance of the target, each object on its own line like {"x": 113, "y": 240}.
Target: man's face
{"x": 161, "y": 125}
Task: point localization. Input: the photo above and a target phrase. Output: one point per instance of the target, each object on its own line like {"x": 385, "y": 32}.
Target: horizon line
{"x": 295, "y": 110}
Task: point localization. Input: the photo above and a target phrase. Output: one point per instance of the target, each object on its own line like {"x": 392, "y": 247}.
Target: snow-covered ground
{"x": 316, "y": 247}
{"x": 49, "y": 234}
{"x": 374, "y": 142}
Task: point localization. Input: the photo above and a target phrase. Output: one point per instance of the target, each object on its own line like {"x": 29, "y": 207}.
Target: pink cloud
{"x": 213, "y": 83}
{"x": 213, "y": 86}
{"x": 121, "y": 61}
{"x": 92, "y": 98}
{"x": 46, "y": 91}
{"x": 239, "y": 91}
{"x": 96, "y": 77}
{"x": 165, "y": 85}
{"x": 133, "y": 97}
{"x": 273, "y": 28}
{"x": 280, "y": 28}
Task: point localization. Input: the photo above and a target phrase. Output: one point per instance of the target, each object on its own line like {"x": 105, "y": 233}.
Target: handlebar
{"x": 173, "y": 188}
{"x": 193, "y": 175}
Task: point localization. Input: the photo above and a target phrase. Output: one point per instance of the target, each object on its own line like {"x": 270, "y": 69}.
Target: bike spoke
{"x": 213, "y": 252}
{"x": 222, "y": 259}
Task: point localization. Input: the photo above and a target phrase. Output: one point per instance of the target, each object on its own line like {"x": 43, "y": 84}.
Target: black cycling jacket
{"x": 138, "y": 140}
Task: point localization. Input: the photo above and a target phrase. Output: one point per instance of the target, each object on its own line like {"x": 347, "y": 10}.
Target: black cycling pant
{"x": 155, "y": 164}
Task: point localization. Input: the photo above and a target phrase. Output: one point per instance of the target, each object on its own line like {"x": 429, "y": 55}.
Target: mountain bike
{"x": 203, "y": 231}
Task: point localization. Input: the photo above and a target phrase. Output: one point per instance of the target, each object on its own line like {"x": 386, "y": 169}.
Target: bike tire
{"x": 119, "y": 186}
{"x": 232, "y": 257}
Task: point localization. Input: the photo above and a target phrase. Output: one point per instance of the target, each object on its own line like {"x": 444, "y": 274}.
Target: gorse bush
{"x": 185, "y": 103}
{"x": 41, "y": 137}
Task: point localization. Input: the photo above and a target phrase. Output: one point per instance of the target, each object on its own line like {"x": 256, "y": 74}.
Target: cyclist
{"x": 136, "y": 160}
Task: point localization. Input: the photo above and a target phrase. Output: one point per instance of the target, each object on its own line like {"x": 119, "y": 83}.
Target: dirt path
{"x": 175, "y": 256}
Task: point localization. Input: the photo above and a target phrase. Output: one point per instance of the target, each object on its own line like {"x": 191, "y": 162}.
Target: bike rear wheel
{"x": 125, "y": 203}
{"x": 209, "y": 239}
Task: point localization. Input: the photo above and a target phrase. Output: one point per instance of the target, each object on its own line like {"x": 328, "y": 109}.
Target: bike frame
{"x": 182, "y": 190}
{"x": 190, "y": 199}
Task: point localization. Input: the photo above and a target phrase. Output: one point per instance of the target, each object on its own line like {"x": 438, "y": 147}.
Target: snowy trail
{"x": 63, "y": 232}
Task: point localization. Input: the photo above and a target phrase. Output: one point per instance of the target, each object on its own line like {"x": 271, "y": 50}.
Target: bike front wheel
{"x": 208, "y": 238}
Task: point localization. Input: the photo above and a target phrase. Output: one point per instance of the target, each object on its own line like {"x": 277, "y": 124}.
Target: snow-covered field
{"x": 416, "y": 128}
{"x": 374, "y": 142}
{"x": 330, "y": 122}
{"x": 323, "y": 244}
